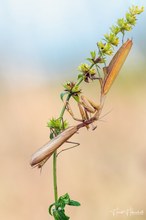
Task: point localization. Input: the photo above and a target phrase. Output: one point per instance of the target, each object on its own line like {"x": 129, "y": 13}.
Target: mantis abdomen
{"x": 45, "y": 152}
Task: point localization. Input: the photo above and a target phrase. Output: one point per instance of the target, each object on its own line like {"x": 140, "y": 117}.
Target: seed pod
{"x": 115, "y": 65}
{"x": 45, "y": 152}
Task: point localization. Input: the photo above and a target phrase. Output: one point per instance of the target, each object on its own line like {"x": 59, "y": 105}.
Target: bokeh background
{"x": 41, "y": 45}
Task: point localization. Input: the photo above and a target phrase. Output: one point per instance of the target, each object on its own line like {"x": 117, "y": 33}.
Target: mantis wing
{"x": 115, "y": 65}
{"x": 46, "y": 151}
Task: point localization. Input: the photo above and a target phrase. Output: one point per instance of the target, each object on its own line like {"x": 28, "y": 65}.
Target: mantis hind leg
{"x": 70, "y": 142}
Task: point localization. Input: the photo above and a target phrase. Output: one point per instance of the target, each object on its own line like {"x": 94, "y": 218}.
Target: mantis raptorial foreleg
{"x": 86, "y": 107}
{"x": 68, "y": 108}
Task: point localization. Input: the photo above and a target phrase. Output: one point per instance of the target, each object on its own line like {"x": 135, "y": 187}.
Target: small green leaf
{"x": 76, "y": 97}
{"x": 90, "y": 60}
{"x": 80, "y": 76}
{"x": 51, "y": 135}
{"x": 63, "y": 216}
{"x": 63, "y": 94}
{"x": 74, "y": 203}
{"x": 50, "y": 208}
{"x": 60, "y": 215}
{"x": 56, "y": 215}
{"x": 93, "y": 54}
{"x": 76, "y": 89}
{"x": 64, "y": 199}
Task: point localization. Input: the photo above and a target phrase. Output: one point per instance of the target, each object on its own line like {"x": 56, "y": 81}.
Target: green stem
{"x": 55, "y": 176}
{"x": 64, "y": 107}
{"x": 79, "y": 81}
{"x": 55, "y": 157}
{"x": 55, "y": 153}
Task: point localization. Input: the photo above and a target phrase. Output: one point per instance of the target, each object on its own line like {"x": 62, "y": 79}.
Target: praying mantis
{"x": 89, "y": 110}
{"x": 45, "y": 152}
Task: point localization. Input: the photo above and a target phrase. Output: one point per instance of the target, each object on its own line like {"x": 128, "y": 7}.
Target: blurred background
{"x": 41, "y": 45}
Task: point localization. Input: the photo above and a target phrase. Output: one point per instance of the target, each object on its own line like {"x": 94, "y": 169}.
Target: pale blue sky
{"x": 53, "y": 37}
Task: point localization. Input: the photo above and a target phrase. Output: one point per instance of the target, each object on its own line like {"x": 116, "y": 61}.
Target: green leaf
{"x": 90, "y": 60}
{"x": 51, "y": 136}
{"x": 76, "y": 97}
{"x": 74, "y": 203}
{"x": 75, "y": 89}
{"x": 65, "y": 199}
{"x": 50, "y": 208}
{"x": 80, "y": 76}
{"x": 56, "y": 216}
{"x": 60, "y": 215}
{"x": 57, "y": 209}
{"x": 93, "y": 54}
{"x": 63, "y": 216}
{"x": 63, "y": 94}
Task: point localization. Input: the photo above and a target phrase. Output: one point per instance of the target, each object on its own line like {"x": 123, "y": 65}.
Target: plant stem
{"x": 55, "y": 157}
{"x": 55, "y": 153}
{"x": 79, "y": 81}
{"x": 55, "y": 176}
{"x": 64, "y": 107}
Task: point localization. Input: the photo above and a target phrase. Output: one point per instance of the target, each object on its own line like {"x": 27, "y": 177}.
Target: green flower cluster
{"x": 111, "y": 40}
{"x": 71, "y": 87}
{"x": 88, "y": 72}
{"x": 56, "y": 126}
{"x": 123, "y": 24}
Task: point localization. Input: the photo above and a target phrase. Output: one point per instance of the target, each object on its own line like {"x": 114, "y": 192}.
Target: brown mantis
{"x": 45, "y": 152}
{"x": 89, "y": 111}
